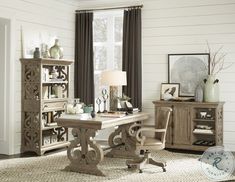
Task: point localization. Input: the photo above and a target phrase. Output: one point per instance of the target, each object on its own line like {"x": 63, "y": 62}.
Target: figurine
{"x": 105, "y": 97}
{"x": 98, "y": 102}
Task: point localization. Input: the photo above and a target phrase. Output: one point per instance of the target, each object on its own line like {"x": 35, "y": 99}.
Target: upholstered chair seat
{"x": 151, "y": 143}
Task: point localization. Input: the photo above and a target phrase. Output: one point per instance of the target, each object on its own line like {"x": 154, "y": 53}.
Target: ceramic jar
{"x": 36, "y": 53}
{"x": 211, "y": 89}
{"x": 56, "y": 52}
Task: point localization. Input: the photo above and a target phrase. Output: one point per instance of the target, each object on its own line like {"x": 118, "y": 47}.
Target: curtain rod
{"x": 110, "y": 8}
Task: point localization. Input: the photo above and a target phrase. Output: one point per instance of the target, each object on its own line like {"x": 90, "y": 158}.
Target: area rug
{"x": 181, "y": 167}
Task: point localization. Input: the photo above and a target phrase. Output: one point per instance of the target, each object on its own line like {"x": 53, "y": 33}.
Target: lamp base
{"x": 113, "y": 91}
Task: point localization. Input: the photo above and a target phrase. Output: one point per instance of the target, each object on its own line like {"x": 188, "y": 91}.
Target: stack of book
{"x": 117, "y": 114}
{"x": 203, "y": 129}
{"x": 134, "y": 110}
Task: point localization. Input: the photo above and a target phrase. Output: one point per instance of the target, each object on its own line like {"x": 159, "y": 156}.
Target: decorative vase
{"x": 56, "y": 52}
{"x": 45, "y": 53}
{"x": 211, "y": 89}
{"x": 88, "y": 109}
{"x": 199, "y": 93}
{"x": 36, "y": 53}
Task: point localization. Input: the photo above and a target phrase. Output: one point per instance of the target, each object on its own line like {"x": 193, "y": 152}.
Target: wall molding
{"x": 9, "y": 102}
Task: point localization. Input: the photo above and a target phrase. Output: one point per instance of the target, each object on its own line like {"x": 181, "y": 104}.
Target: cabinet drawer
{"x": 53, "y": 106}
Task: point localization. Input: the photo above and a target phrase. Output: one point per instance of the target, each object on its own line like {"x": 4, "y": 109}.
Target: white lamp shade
{"x": 113, "y": 78}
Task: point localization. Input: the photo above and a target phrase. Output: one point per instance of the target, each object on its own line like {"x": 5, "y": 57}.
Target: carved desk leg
{"x": 123, "y": 144}
{"x": 83, "y": 153}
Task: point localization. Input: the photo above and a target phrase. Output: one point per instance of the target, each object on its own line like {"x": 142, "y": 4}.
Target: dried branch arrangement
{"x": 217, "y": 60}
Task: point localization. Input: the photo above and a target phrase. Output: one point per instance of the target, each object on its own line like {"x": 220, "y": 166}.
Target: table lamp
{"x": 113, "y": 79}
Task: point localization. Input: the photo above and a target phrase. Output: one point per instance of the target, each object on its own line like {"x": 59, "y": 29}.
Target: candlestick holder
{"x": 105, "y": 98}
{"x": 98, "y": 102}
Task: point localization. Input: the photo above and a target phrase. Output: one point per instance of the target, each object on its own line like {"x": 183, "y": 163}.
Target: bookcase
{"x": 45, "y": 89}
{"x": 193, "y": 125}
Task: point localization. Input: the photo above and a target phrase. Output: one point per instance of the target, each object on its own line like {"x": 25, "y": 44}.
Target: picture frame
{"x": 188, "y": 70}
{"x": 169, "y": 91}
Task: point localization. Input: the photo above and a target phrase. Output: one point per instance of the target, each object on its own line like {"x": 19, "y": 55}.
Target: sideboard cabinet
{"x": 45, "y": 88}
{"x": 193, "y": 125}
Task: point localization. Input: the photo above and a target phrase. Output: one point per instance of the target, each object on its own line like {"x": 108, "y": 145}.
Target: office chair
{"x": 146, "y": 144}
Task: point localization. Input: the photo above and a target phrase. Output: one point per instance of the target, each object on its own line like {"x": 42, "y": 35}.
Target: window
{"x": 107, "y": 31}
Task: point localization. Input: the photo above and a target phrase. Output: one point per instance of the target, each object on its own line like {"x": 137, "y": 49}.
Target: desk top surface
{"x": 79, "y": 121}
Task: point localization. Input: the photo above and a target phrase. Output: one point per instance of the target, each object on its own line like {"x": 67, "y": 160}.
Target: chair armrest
{"x": 141, "y": 138}
{"x": 132, "y": 131}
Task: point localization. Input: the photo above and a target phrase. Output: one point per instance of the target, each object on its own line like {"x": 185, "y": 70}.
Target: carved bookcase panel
{"x": 45, "y": 88}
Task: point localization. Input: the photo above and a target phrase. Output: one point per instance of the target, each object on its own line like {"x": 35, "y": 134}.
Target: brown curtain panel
{"x": 83, "y": 67}
{"x": 131, "y": 60}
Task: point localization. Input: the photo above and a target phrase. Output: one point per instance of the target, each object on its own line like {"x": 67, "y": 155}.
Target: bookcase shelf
{"x": 54, "y": 82}
{"x": 50, "y": 127}
{"x": 197, "y": 133}
{"x": 204, "y": 120}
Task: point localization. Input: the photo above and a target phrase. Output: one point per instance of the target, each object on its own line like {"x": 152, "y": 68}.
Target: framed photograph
{"x": 169, "y": 91}
{"x": 189, "y": 70}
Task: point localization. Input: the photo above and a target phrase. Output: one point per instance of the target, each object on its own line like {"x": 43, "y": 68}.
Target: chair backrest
{"x": 162, "y": 119}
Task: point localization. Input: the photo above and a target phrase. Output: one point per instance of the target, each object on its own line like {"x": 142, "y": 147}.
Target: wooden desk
{"x": 85, "y": 154}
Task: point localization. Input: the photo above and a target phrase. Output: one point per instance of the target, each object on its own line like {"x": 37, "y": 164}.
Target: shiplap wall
{"x": 184, "y": 26}
{"x": 179, "y": 26}
{"x": 50, "y": 18}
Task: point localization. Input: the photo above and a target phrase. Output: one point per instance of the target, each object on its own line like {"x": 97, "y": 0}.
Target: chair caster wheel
{"x": 140, "y": 171}
{"x": 128, "y": 166}
{"x": 164, "y": 169}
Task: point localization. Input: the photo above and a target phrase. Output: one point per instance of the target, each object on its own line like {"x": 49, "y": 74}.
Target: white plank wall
{"x": 55, "y": 18}
{"x": 184, "y": 26}
{"x": 179, "y": 26}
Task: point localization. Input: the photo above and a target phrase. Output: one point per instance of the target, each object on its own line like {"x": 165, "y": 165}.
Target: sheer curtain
{"x": 83, "y": 67}
{"x": 132, "y": 63}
